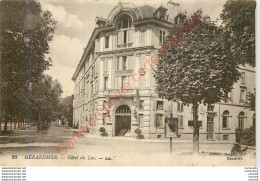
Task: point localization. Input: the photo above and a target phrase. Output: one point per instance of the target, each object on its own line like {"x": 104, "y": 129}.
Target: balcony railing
{"x": 125, "y": 45}
{"x": 124, "y": 72}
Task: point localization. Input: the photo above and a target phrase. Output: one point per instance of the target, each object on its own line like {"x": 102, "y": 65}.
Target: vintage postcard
{"x": 127, "y": 83}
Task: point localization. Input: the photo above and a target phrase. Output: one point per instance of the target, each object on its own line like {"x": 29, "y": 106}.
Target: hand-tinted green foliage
{"x": 239, "y": 22}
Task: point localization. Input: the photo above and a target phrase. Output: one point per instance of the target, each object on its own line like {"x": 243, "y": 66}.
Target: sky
{"x": 76, "y": 22}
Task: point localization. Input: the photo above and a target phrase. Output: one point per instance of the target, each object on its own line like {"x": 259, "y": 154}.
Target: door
{"x": 210, "y": 127}
{"x": 123, "y": 120}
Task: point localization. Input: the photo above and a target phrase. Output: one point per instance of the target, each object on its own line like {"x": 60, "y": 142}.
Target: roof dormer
{"x": 160, "y": 13}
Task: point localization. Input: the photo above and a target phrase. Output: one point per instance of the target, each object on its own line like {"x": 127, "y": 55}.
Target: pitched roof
{"x": 147, "y": 11}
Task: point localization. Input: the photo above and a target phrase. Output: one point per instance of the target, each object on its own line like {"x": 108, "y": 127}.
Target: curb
{"x": 164, "y": 140}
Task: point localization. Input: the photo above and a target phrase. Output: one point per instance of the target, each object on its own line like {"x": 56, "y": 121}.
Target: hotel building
{"x": 122, "y": 44}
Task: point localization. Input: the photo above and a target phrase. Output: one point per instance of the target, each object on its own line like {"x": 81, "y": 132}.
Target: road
{"x": 29, "y": 142}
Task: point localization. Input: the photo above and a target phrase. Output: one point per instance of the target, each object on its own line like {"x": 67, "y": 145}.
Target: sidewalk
{"x": 162, "y": 140}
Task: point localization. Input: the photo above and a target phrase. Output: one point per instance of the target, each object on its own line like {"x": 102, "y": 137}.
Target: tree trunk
{"x": 18, "y": 120}
{"x": 43, "y": 125}
{"x": 47, "y": 124}
{"x": 195, "y": 128}
{"x": 39, "y": 123}
{"x": 20, "y": 123}
{"x": 0, "y": 122}
{"x": 11, "y": 124}
{"x": 5, "y": 126}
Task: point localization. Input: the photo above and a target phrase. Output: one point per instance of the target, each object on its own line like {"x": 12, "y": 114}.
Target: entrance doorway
{"x": 123, "y": 121}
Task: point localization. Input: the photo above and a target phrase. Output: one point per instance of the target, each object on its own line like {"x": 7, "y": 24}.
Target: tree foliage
{"x": 251, "y": 101}
{"x": 25, "y": 31}
{"x": 67, "y": 109}
{"x": 46, "y": 97}
{"x": 246, "y": 136}
{"x": 239, "y": 21}
{"x": 199, "y": 70}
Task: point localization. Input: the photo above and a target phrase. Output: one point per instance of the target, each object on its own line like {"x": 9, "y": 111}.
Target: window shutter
{"x": 119, "y": 38}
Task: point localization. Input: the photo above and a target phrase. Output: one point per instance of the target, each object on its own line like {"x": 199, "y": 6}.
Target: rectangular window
{"x": 125, "y": 37}
{"x": 106, "y": 107}
{"x": 123, "y": 81}
{"x": 162, "y": 36}
{"x": 225, "y": 137}
{"x": 141, "y": 105}
{"x": 124, "y": 63}
{"x": 143, "y": 38}
{"x": 159, "y": 121}
{"x": 243, "y": 77}
{"x": 159, "y": 105}
{"x": 190, "y": 123}
{"x": 107, "y": 42}
{"x": 180, "y": 121}
{"x": 180, "y": 107}
{"x": 105, "y": 119}
{"x": 242, "y": 95}
{"x": 210, "y": 107}
{"x": 225, "y": 121}
{"x": 141, "y": 120}
{"x": 105, "y": 83}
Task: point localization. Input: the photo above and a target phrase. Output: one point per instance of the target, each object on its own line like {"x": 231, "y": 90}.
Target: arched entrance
{"x": 123, "y": 121}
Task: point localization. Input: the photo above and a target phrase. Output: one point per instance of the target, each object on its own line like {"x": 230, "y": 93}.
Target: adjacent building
{"x": 115, "y": 87}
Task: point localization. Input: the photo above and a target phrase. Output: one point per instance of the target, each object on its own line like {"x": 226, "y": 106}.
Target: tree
{"x": 251, "y": 101}
{"x": 67, "y": 109}
{"x": 197, "y": 71}
{"x": 46, "y": 96}
{"x": 25, "y": 31}
{"x": 239, "y": 22}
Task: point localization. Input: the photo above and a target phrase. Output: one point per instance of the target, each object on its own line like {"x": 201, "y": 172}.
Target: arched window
{"x": 123, "y": 110}
{"x": 124, "y": 22}
{"x": 125, "y": 32}
{"x": 225, "y": 119}
{"x": 241, "y": 119}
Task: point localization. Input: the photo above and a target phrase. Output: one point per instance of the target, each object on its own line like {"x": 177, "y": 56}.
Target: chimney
{"x": 173, "y": 10}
